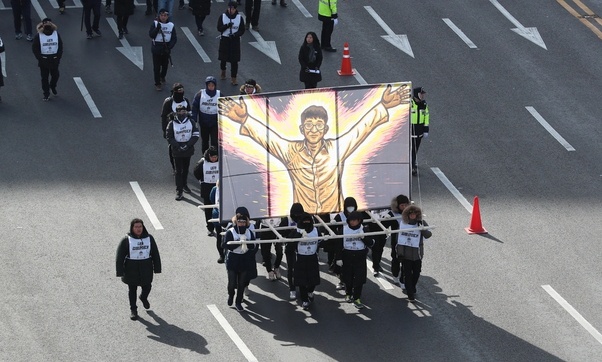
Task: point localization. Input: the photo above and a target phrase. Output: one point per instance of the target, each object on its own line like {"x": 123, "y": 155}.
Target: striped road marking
{"x": 146, "y": 206}
{"x": 87, "y": 97}
{"x": 549, "y": 128}
{"x": 231, "y": 333}
{"x": 452, "y": 188}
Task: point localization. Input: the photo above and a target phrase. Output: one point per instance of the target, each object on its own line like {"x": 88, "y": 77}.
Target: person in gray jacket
{"x": 182, "y": 134}
{"x": 410, "y": 247}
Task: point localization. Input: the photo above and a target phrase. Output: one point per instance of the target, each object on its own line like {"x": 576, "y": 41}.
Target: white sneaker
{"x": 271, "y": 276}
{"x": 340, "y": 286}
{"x": 293, "y": 295}
{"x": 277, "y": 273}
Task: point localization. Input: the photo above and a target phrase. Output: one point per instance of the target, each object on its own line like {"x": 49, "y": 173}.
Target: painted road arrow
{"x": 134, "y": 54}
{"x": 266, "y": 47}
{"x": 528, "y": 33}
{"x": 400, "y": 41}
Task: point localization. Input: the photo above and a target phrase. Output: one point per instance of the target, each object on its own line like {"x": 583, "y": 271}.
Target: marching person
{"x": 307, "y": 269}
{"x": 47, "y": 47}
{"x": 207, "y": 172}
{"x": 420, "y": 123}
{"x": 410, "y": 247}
{"x": 164, "y": 38}
{"x": 327, "y": 14}
{"x": 250, "y": 87}
{"x": 204, "y": 109}
{"x": 217, "y": 226}
{"x": 168, "y": 113}
{"x": 310, "y": 58}
{"x": 182, "y": 134}
{"x": 253, "y": 10}
{"x": 231, "y": 26}
{"x": 92, "y": 7}
{"x": 351, "y": 258}
{"x": 273, "y": 269}
{"x": 398, "y": 204}
{"x": 200, "y": 9}
{"x": 240, "y": 259}
{"x": 123, "y": 10}
{"x": 136, "y": 261}
{"x": 22, "y": 11}
{"x": 290, "y": 249}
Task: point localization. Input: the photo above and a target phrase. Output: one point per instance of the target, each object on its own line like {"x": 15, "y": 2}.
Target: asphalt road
{"x": 529, "y": 290}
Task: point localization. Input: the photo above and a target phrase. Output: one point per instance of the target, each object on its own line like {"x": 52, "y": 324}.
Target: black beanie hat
{"x": 243, "y": 211}
{"x": 212, "y": 151}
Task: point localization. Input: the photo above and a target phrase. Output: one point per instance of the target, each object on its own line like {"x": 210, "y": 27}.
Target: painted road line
{"x": 459, "y": 33}
{"x": 199, "y": 49}
{"x": 146, "y": 206}
{"x": 452, "y": 188}
{"x": 231, "y": 333}
{"x": 530, "y": 34}
{"x": 302, "y": 8}
{"x": 569, "y": 308}
{"x": 36, "y": 5}
{"x": 400, "y": 41}
{"x": 84, "y": 91}
{"x": 358, "y": 77}
{"x": 3, "y": 58}
{"x": 133, "y": 53}
{"x": 384, "y": 282}
{"x": 549, "y": 128}
{"x": 585, "y": 17}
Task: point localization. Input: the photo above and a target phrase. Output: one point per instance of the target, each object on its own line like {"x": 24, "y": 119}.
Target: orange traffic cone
{"x": 475, "y": 221}
{"x": 346, "y": 63}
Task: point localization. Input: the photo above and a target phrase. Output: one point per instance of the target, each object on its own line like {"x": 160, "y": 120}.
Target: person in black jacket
{"x": 200, "y": 9}
{"x": 168, "y": 113}
{"x": 207, "y": 172}
{"x": 136, "y": 261}
{"x": 182, "y": 134}
{"x": 310, "y": 58}
{"x": 123, "y": 10}
{"x": 231, "y": 26}
{"x": 164, "y": 38}
{"x": 47, "y": 47}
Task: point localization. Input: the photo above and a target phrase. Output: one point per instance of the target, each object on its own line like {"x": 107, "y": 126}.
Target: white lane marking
{"x": 452, "y": 189}
{"x": 146, "y": 206}
{"x": 231, "y": 333}
{"x": 531, "y": 33}
{"x": 84, "y": 91}
{"x": 36, "y": 5}
{"x": 199, "y": 49}
{"x": 358, "y": 77}
{"x": 400, "y": 41}
{"x": 302, "y": 8}
{"x": 578, "y": 317}
{"x": 386, "y": 285}
{"x": 3, "y": 58}
{"x": 549, "y": 128}
{"x": 460, "y": 33}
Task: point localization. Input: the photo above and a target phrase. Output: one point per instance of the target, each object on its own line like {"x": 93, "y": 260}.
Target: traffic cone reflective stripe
{"x": 476, "y": 227}
{"x": 346, "y": 63}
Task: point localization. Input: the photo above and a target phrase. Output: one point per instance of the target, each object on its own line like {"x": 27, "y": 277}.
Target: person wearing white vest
{"x": 136, "y": 261}
{"x": 240, "y": 259}
{"x": 207, "y": 172}
{"x": 168, "y": 113}
{"x": 410, "y": 247}
{"x": 164, "y": 38}
{"x": 182, "y": 134}
{"x": 351, "y": 257}
{"x": 231, "y": 26}
{"x": 47, "y": 47}
{"x": 204, "y": 110}
{"x": 307, "y": 269}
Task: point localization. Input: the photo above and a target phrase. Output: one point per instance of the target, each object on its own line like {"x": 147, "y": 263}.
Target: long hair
{"x": 316, "y": 42}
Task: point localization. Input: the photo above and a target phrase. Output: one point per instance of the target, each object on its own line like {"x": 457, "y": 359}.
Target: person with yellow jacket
{"x": 420, "y": 123}
{"x": 327, "y": 14}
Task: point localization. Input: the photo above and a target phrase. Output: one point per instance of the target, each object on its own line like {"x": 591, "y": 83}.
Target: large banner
{"x": 315, "y": 147}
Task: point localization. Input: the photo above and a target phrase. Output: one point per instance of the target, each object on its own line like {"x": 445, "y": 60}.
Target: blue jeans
{"x": 167, "y": 5}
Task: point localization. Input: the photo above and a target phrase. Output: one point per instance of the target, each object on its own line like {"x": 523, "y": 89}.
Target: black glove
{"x": 230, "y": 24}
{"x": 158, "y": 25}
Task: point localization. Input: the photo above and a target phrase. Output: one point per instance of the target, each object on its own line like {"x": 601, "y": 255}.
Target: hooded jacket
{"x": 177, "y": 147}
{"x": 137, "y": 272}
{"x": 408, "y": 252}
{"x": 47, "y": 60}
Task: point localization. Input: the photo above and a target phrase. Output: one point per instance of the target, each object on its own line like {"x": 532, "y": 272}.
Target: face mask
{"x": 307, "y": 226}
{"x": 350, "y": 208}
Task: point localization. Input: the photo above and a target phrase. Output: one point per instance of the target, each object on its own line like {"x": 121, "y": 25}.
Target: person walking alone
{"x": 47, "y": 47}
{"x": 231, "y": 25}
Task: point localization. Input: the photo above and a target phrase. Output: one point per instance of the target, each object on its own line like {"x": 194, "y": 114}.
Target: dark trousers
{"x": 92, "y": 7}
{"x": 182, "y": 165}
{"x": 327, "y": 29}
{"x": 310, "y": 85}
{"x": 415, "y": 145}
{"x": 199, "y": 19}
{"x": 208, "y": 133}
{"x": 396, "y": 266}
{"x": 21, "y": 9}
{"x": 171, "y": 159}
{"x": 266, "y": 254}
{"x": 160, "y": 64}
{"x": 353, "y": 273}
{"x": 151, "y": 5}
{"x": 205, "y": 191}
{"x": 122, "y": 22}
{"x": 45, "y": 73}
{"x": 233, "y": 67}
{"x": 108, "y": 3}
{"x": 218, "y": 240}
{"x": 411, "y": 271}
{"x": 304, "y": 292}
{"x": 252, "y": 9}
{"x": 377, "y": 252}
{"x": 291, "y": 259}
{"x": 132, "y": 294}
{"x": 236, "y": 284}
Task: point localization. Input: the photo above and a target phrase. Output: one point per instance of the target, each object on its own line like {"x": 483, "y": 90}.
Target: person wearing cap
{"x": 420, "y": 122}
{"x": 250, "y": 87}
{"x": 164, "y": 38}
{"x": 327, "y": 14}
{"x": 207, "y": 172}
{"x": 231, "y": 26}
{"x": 240, "y": 258}
{"x": 410, "y": 247}
{"x": 204, "y": 110}
{"x": 47, "y": 47}
{"x": 92, "y": 7}
{"x": 351, "y": 258}
{"x": 310, "y": 59}
{"x": 22, "y": 13}
{"x": 123, "y": 10}
{"x": 168, "y": 113}
{"x": 182, "y": 134}
{"x": 307, "y": 269}
{"x": 200, "y": 9}
{"x": 136, "y": 261}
